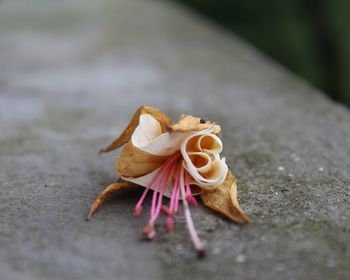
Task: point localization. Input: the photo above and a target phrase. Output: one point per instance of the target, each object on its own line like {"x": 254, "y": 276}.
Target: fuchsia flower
{"x": 177, "y": 162}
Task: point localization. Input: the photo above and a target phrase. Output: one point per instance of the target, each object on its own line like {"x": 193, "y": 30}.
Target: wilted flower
{"x": 177, "y": 161}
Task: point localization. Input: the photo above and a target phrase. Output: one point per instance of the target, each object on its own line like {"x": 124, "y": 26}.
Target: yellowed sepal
{"x": 223, "y": 199}
{"x": 133, "y": 162}
{"x": 191, "y": 123}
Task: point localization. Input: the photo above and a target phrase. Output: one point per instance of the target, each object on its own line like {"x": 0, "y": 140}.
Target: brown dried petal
{"x": 223, "y": 199}
{"x": 191, "y": 123}
{"x": 133, "y": 162}
{"x": 162, "y": 118}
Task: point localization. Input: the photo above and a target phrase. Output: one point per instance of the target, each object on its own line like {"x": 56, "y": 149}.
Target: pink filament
{"x": 171, "y": 170}
{"x": 175, "y": 191}
{"x": 162, "y": 184}
{"x": 197, "y": 243}
{"x": 138, "y": 208}
{"x": 174, "y": 200}
{"x": 191, "y": 200}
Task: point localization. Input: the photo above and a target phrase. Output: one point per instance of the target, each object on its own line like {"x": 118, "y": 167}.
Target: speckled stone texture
{"x": 72, "y": 73}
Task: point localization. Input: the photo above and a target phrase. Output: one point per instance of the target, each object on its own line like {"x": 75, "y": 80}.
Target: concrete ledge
{"x": 72, "y": 72}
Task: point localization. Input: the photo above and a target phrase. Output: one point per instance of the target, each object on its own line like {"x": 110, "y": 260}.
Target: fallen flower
{"x": 177, "y": 161}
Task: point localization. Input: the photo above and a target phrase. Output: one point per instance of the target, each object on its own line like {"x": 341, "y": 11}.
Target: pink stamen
{"x": 155, "y": 192}
{"x": 169, "y": 218}
{"x": 149, "y": 231}
{"x": 171, "y": 170}
{"x": 163, "y": 178}
{"x": 138, "y": 208}
{"x": 197, "y": 243}
{"x": 162, "y": 184}
{"x": 169, "y": 212}
{"x": 191, "y": 200}
{"x": 177, "y": 192}
{"x": 175, "y": 187}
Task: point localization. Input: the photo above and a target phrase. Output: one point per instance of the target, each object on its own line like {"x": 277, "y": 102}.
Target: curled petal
{"x": 163, "y": 120}
{"x": 223, "y": 199}
{"x": 218, "y": 170}
{"x": 210, "y": 143}
{"x": 201, "y": 161}
{"x": 204, "y": 142}
{"x": 214, "y": 169}
{"x": 211, "y": 179}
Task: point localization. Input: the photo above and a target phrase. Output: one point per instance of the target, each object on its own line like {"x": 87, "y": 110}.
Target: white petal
{"x": 147, "y": 130}
{"x": 219, "y": 167}
{"x": 166, "y": 144}
{"x": 203, "y": 160}
{"x": 148, "y": 137}
{"x": 210, "y": 143}
{"x": 217, "y": 177}
{"x": 146, "y": 179}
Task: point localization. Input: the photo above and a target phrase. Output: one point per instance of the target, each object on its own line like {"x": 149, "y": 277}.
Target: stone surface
{"x": 71, "y": 74}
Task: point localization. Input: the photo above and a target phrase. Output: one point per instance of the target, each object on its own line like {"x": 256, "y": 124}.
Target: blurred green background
{"x": 310, "y": 37}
